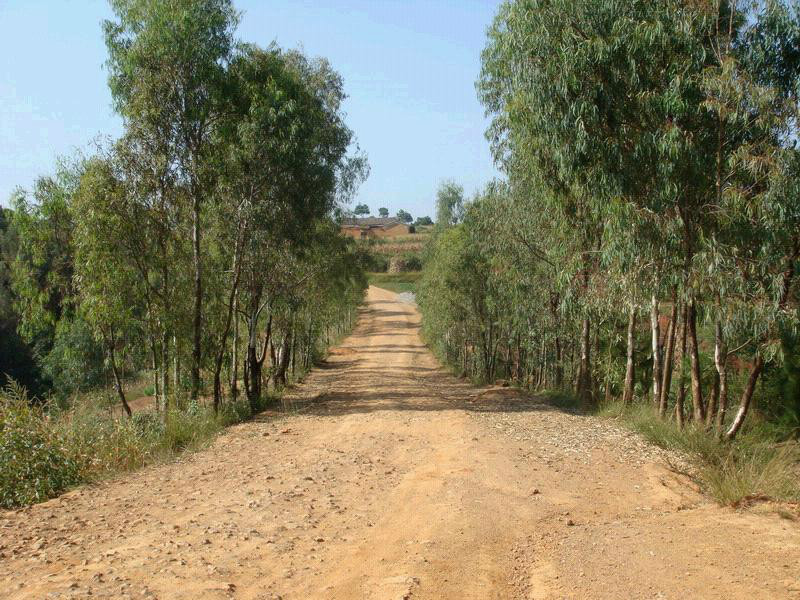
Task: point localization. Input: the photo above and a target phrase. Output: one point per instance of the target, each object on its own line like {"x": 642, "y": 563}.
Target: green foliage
{"x": 34, "y": 464}
{"x": 396, "y": 282}
{"x": 632, "y": 181}
{"x": 405, "y": 262}
{"x": 383, "y": 212}
{"x": 44, "y": 451}
{"x": 449, "y": 204}
{"x": 412, "y": 261}
{"x": 404, "y": 216}
{"x": 76, "y": 361}
{"x": 460, "y": 300}
{"x": 361, "y": 210}
{"x": 374, "y": 262}
{"x": 42, "y": 266}
{"x": 16, "y": 357}
{"x": 422, "y": 222}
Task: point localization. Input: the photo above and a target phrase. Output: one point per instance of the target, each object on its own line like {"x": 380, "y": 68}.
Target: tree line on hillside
{"x": 202, "y": 245}
{"x": 363, "y": 210}
{"x": 645, "y": 245}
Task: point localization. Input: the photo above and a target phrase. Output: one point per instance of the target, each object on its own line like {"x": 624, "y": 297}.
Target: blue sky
{"x": 409, "y": 68}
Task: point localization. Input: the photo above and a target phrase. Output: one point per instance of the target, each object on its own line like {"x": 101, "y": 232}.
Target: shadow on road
{"x": 384, "y": 366}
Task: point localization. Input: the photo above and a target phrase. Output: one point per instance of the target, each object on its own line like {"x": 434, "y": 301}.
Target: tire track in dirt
{"x": 389, "y": 478}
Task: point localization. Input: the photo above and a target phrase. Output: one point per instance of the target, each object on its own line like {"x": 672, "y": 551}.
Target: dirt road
{"x": 391, "y": 479}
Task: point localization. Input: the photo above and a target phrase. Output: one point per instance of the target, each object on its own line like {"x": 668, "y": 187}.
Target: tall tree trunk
{"x": 176, "y": 365}
{"x": 197, "y": 316}
{"x": 115, "y": 370}
{"x": 156, "y": 382}
{"x": 721, "y": 363}
{"x": 235, "y": 353}
{"x": 655, "y": 330}
{"x": 585, "y": 370}
{"x": 668, "y": 363}
{"x": 223, "y": 342}
{"x": 630, "y": 365}
{"x": 747, "y": 396}
{"x": 293, "y": 350}
{"x": 713, "y": 402}
{"x": 253, "y": 376}
{"x": 165, "y": 372}
{"x": 283, "y": 360}
{"x": 789, "y": 273}
{"x": 699, "y": 409}
{"x": 544, "y": 363}
{"x": 558, "y": 367}
{"x": 575, "y": 372}
{"x": 254, "y": 362}
{"x": 559, "y": 370}
{"x": 681, "y": 398}
{"x": 273, "y": 361}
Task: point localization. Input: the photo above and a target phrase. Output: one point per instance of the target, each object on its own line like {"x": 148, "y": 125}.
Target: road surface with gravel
{"x": 386, "y": 478}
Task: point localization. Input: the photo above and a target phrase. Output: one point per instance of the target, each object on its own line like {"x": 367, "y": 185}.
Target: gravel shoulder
{"x": 386, "y": 478}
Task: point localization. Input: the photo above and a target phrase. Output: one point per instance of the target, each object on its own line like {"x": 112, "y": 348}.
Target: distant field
{"x": 399, "y": 245}
{"x": 395, "y": 282}
{"x": 412, "y": 238}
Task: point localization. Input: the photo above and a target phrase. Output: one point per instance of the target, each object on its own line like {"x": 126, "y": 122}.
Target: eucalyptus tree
{"x": 544, "y": 88}
{"x": 43, "y": 293}
{"x": 109, "y": 285}
{"x": 166, "y": 66}
{"x": 449, "y": 203}
{"x": 153, "y": 210}
{"x": 286, "y": 164}
{"x": 604, "y": 101}
{"x": 324, "y": 277}
{"x": 257, "y": 139}
{"x": 753, "y": 95}
{"x": 40, "y": 272}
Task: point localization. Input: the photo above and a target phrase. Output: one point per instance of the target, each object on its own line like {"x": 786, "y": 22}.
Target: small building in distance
{"x": 373, "y": 227}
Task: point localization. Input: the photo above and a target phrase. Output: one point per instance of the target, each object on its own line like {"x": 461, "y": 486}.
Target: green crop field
{"x": 395, "y": 282}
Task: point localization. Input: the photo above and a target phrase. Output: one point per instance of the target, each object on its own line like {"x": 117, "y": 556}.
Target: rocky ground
{"x": 388, "y": 478}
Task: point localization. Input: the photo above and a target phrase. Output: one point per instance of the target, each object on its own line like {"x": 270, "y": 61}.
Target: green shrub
{"x": 76, "y": 362}
{"x": 44, "y": 451}
{"x": 374, "y": 262}
{"x": 395, "y": 282}
{"x": 190, "y": 429}
{"x": 413, "y": 261}
{"x": 34, "y": 465}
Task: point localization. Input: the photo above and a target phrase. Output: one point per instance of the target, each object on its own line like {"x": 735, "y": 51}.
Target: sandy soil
{"x": 388, "y": 478}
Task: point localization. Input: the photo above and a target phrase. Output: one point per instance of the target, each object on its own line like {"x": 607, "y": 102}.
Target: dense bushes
{"x": 35, "y": 463}
{"x": 404, "y": 263}
{"x": 44, "y": 451}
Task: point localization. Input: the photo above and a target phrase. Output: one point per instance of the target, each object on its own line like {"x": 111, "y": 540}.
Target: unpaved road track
{"x": 392, "y": 479}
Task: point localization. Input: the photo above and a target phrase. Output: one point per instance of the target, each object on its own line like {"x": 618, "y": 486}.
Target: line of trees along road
{"x": 202, "y": 244}
{"x": 646, "y": 242}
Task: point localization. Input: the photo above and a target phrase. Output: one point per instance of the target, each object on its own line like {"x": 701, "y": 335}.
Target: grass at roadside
{"x": 395, "y": 282}
{"x": 755, "y": 466}
{"x": 45, "y": 450}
